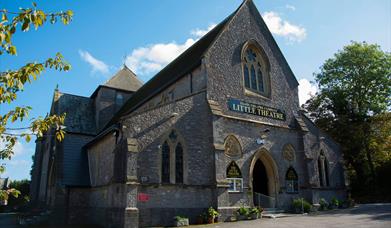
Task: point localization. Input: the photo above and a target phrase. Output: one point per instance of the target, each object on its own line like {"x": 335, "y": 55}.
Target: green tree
{"x": 12, "y": 81}
{"x": 354, "y": 88}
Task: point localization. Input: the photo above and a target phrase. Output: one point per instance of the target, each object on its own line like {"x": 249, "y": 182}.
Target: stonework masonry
{"x": 126, "y": 171}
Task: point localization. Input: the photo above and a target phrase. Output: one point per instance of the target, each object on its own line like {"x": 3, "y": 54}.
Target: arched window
{"x": 323, "y": 168}
{"x": 326, "y": 171}
{"x": 291, "y": 181}
{"x": 165, "y": 163}
{"x": 179, "y": 163}
{"x": 172, "y": 164}
{"x": 119, "y": 99}
{"x": 320, "y": 170}
{"x": 255, "y": 70}
{"x": 234, "y": 178}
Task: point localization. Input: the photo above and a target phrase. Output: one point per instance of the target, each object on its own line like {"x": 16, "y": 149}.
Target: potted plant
{"x": 212, "y": 215}
{"x": 300, "y": 205}
{"x": 334, "y": 204}
{"x": 181, "y": 221}
{"x": 254, "y": 213}
{"x": 243, "y": 213}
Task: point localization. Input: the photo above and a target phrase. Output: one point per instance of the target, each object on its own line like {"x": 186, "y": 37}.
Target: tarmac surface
{"x": 364, "y": 215}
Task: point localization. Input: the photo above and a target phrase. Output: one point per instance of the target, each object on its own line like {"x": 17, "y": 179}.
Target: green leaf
{"x": 12, "y": 50}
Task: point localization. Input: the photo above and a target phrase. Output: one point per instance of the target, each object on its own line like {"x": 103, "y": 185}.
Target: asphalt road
{"x": 364, "y": 215}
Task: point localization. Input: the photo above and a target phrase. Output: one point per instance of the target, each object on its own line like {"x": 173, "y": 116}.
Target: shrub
{"x": 254, "y": 210}
{"x": 179, "y": 218}
{"x": 243, "y": 211}
{"x": 301, "y": 204}
{"x": 334, "y": 203}
{"x": 212, "y": 213}
{"x": 323, "y": 204}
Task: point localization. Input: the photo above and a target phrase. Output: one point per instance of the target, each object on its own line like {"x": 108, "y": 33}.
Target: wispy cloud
{"x": 96, "y": 64}
{"x": 290, "y": 7}
{"x": 284, "y": 28}
{"x": 306, "y": 90}
{"x": 151, "y": 58}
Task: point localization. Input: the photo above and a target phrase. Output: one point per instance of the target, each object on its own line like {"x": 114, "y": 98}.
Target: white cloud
{"x": 290, "y": 7}
{"x": 306, "y": 90}
{"x": 201, "y": 32}
{"x": 284, "y": 28}
{"x": 96, "y": 64}
{"x": 152, "y": 58}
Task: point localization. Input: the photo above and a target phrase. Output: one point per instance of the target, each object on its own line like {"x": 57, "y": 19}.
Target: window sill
{"x": 235, "y": 192}
{"x": 251, "y": 93}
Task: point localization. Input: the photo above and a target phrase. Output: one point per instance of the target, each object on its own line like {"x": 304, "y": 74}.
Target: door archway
{"x": 264, "y": 181}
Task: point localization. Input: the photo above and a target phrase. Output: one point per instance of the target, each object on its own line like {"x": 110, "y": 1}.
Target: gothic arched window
{"x": 179, "y": 163}
{"x": 172, "y": 163}
{"x": 165, "y": 163}
{"x": 323, "y": 168}
{"x": 234, "y": 178}
{"x": 291, "y": 181}
{"x": 255, "y": 70}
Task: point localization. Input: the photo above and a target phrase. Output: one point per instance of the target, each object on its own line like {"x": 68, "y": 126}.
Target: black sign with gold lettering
{"x": 255, "y": 109}
{"x": 233, "y": 171}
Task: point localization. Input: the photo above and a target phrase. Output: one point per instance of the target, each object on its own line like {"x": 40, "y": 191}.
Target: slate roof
{"x": 80, "y": 116}
{"x": 186, "y": 62}
{"x": 125, "y": 79}
{"x": 183, "y": 64}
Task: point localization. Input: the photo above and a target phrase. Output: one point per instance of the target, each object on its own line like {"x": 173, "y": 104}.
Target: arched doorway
{"x": 260, "y": 180}
{"x": 264, "y": 179}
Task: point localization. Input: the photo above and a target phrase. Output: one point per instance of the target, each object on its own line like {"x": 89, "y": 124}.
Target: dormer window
{"x": 255, "y": 71}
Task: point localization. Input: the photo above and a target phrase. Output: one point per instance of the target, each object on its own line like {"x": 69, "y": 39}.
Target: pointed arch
{"x": 256, "y": 69}
{"x": 232, "y": 147}
{"x": 271, "y": 170}
{"x": 323, "y": 169}
{"x": 165, "y": 175}
{"x": 179, "y": 163}
{"x": 173, "y": 158}
{"x": 291, "y": 181}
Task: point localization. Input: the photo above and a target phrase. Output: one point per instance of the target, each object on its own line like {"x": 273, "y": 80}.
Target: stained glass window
{"x": 234, "y": 178}
{"x": 291, "y": 181}
{"x": 179, "y": 163}
{"x": 255, "y": 74}
{"x": 165, "y": 163}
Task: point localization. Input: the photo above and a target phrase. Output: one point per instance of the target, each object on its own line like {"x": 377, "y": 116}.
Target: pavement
{"x": 364, "y": 215}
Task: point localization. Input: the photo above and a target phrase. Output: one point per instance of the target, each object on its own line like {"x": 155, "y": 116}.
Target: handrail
{"x": 264, "y": 201}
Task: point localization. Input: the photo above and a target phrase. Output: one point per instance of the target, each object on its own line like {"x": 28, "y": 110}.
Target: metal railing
{"x": 264, "y": 201}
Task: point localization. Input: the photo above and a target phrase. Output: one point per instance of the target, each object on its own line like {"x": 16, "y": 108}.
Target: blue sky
{"x": 148, "y": 34}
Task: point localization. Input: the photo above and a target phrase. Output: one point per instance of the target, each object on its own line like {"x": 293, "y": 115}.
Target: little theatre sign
{"x": 259, "y": 110}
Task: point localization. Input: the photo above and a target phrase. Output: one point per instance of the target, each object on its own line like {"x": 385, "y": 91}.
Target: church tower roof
{"x": 125, "y": 79}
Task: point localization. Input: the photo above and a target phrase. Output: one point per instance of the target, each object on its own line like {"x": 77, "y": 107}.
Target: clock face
{"x": 260, "y": 141}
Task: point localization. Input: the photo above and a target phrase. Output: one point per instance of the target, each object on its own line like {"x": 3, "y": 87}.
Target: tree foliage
{"x": 12, "y": 81}
{"x": 353, "y": 105}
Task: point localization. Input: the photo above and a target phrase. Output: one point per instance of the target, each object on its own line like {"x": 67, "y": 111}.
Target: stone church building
{"x": 219, "y": 126}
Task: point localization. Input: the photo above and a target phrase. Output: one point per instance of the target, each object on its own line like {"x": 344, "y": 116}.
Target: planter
{"x": 182, "y": 222}
{"x": 211, "y": 220}
{"x": 242, "y": 217}
{"x": 254, "y": 216}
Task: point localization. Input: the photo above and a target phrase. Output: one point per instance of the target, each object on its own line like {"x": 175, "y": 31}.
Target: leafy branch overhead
{"x": 12, "y": 82}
